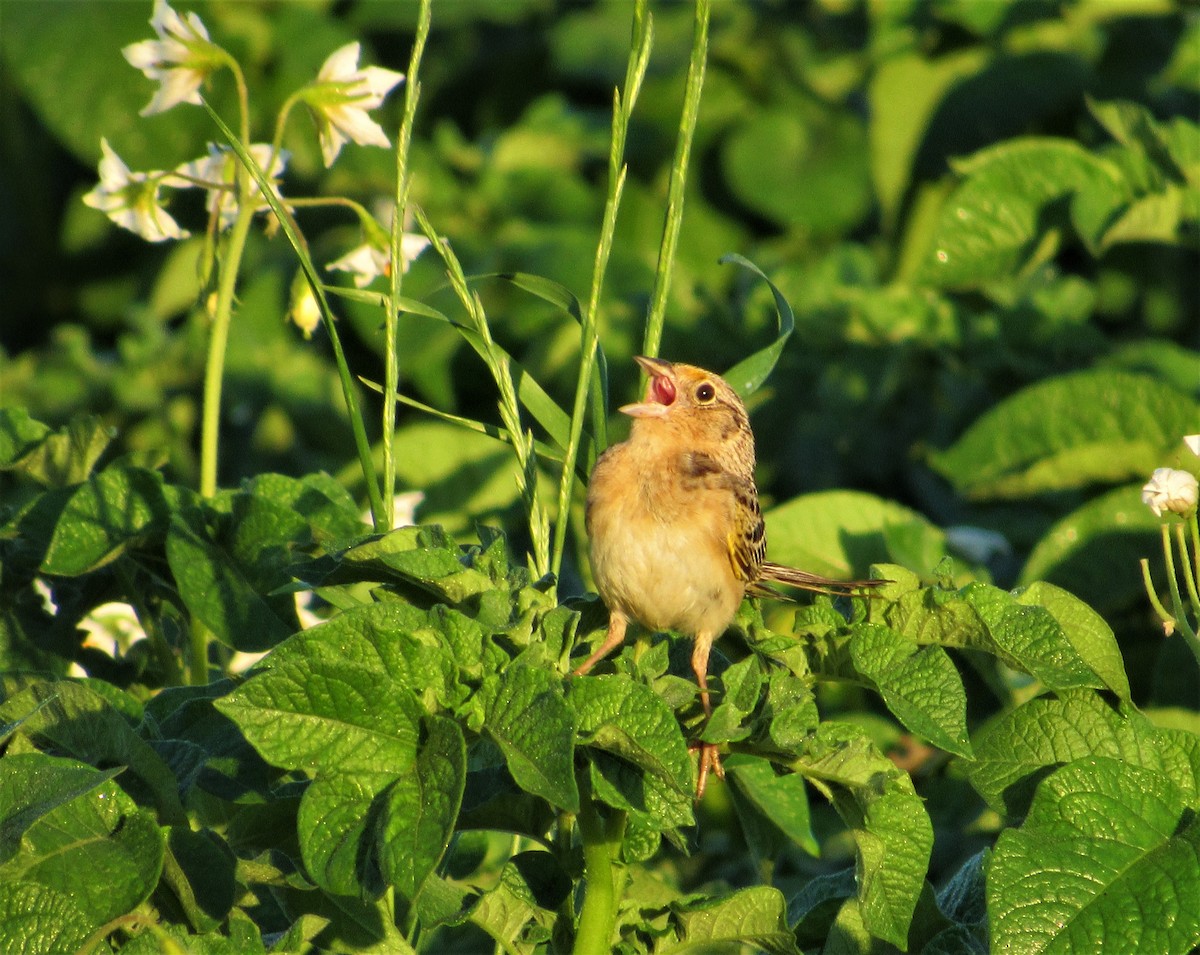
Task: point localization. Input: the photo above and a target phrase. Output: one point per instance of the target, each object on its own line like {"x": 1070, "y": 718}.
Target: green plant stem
{"x": 623, "y": 102}
{"x": 222, "y": 313}
{"x": 1194, "y": 527}
{"x": 679, "y": 169}
{"x": 1182, "y": 624}
{"x": 296, "y": 239}
{"x": 1188, "y": 570}
{"x": 1152, "y": 593}
{"x": 603, "y": 877}
{"x": 214, "y": 367}
{"x": 391, "y": 373}
{"x": 498, "y": 364}
{"x": 214, "y": 376}
{"x": 218, "y": 341}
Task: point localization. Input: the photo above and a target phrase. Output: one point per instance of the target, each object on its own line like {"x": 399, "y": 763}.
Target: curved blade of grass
{"x": 747, "y": 376}
{"x": 558, "y": 295}
{"x": 546, "y": 412}
{"x": 546, "y": 289}
{"x": 499, "y": 363}
{"x": 542, "y": 449}
{"x": 408, "y": 306}
{"x": 300, "y": 246}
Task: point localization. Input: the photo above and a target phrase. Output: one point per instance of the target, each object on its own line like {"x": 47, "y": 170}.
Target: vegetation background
{"x": 983, "y": 215}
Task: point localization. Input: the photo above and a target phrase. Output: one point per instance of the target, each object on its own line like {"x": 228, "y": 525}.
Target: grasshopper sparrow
{"x": 677, "y": 536}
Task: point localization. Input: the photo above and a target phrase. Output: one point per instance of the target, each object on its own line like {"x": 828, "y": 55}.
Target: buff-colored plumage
{"x": 677, "y": 537}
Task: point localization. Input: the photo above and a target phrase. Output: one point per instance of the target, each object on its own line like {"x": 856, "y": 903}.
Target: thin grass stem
{"x": 585, "y": 386}
{"x": 673, "y": 222}
{"x": 412, "y": 94}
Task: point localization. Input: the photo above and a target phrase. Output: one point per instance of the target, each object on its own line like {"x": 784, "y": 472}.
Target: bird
{"x": 676, "y": 535}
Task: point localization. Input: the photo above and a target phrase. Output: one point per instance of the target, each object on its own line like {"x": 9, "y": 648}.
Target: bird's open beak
{"x": 660, "y": 393}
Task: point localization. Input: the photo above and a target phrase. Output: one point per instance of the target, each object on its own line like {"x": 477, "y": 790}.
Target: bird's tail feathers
{"x": 794, "y": 577}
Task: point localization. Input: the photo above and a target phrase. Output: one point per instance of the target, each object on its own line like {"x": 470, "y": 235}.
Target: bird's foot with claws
{"x": 710, "y": 761}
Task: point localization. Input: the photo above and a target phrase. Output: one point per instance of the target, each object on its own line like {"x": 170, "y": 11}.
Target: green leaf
{"x": 216, "y": 589}
{"x": 1158, "y": 358}
{"x": 404, "y": 305}
{"x": 78, "y": 722}
{"x": 199, "y": 869}
{"x": 427, "y": 557}
{"x": 519, "y": 912}
{"x": 886, "y": 817}
{"x": 335, "y": 825}
{"x": 324, "y": 504}
{"x": 534, "y": 727}
{"x": 835, "y": 533}
{"x": 931, "y": 614}
{"x": 964, "y": 898}
{"x": 265, "y": 538}
{"x": 100, "y": 848}
{"x": 747, "y": 376}
{"x": 905, "y": 91}
{"x": 32, "y": 785}
{"x": 780, "y": 801}
{"x": 105, "y": 515}
{"x": 919, "y": 685}
{"x": 812, "y": 909}
{"x": 616, "y": 714}
{"x": 418, "y": 649}
{"x": 1069, "y": 432}
{"x": 991, "y": 227}
{"x": 547, "y": 290}
{"x": 420, "y": 808}
{"x": 1109, "y": 851}
{"x": 1090, "y": 550}
{"x": 19, "y": 434}
{"x": 1091, "y": 638}
{"x": 1017, "y": 749}
{"x": 770, "y": 149}
{"x": 756, "y": 916}
{"x": 1031, "y": 637}
{"x": 325, "y": 715}
{"x": 62, "y": 458}
{"x": 1134, "y": 126}
{"x": 1159, "y": 217}
{"x": 639, "y": 757}
{"x": 741, "y": 685}
{"x": 38, "y": 920}
{"x": 653, "y": 804}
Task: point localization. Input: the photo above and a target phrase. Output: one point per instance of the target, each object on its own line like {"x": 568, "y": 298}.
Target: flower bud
{"x": 1170, "y": 489}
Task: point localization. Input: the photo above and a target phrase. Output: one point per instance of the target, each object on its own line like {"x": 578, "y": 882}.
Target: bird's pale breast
{"x": 659, "y": 551}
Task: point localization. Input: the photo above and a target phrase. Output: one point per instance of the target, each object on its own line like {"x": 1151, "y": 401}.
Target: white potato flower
{"x": 342, "y": 96}
{"x": 217, "y": 172}
{"x": 131, "y": 199}
{"x": 179, "y": 60}
{"x": 370, "y": 260}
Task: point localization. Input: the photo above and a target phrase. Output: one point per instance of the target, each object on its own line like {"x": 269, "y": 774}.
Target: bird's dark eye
{"x": 705, "y": 393}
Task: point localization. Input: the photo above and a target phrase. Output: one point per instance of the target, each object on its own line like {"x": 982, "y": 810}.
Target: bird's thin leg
{"x": 617, "y": 622}
{"x": 709, "y": 756}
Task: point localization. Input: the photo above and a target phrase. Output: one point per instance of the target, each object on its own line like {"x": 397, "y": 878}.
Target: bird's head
{"x": 687, "y": 398}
